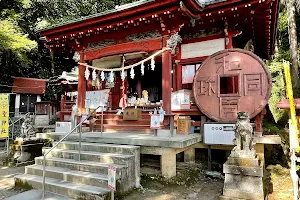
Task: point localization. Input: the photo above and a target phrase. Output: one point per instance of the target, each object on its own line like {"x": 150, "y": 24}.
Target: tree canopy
{"x": 21, "y": 52}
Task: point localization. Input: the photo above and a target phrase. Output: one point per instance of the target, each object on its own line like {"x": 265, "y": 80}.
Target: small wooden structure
{"x": 28, "y": 91}
{"x": 45, "y": 113}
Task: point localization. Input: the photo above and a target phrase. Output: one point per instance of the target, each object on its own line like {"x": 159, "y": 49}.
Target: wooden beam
{"x": 139, "y": 46}
{"x": 192, "y": 60}
{"x": 221, "y": 147}
{"x": 201, "y": 39}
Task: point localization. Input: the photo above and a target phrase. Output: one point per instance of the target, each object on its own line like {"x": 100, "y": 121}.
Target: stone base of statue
{"x": 243, "y": 179}
{"x": 243, "y": 170}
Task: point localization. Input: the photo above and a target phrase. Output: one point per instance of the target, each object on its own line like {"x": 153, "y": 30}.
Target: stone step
{"x": 125, "y": 129}
{"x": 87, "y": 178}
{"x": 83, "y": 165}
{"x": 116, "y": 117}
{"x": 72, "y": 190}
{"x": 112, "y": 158}
{"x": 99, "y": 147}
{"x": 129, "y": 127}
{"x": 123, "y": 122}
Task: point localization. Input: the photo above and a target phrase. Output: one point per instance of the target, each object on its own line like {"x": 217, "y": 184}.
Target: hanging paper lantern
{"x": 111, "y": 77}
{"x": 132, "y": 73}
{"x": 123, "y": 75}
{"x": 152, "y": 64}
{"x": 87, "y": 73}
{"x": 94, "y": 75}
{"x": 142, "y": 69}
{"x": 102, "y": 76}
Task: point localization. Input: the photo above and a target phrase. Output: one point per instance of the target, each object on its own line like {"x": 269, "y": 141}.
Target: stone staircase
{"x": 113, "y": 122}
{"x": 85, "y": 179}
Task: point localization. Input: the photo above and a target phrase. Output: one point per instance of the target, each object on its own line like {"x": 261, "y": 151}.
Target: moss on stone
{"x": 22, "y": 184}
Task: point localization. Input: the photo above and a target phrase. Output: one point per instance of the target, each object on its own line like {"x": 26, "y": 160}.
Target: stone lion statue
{"x": 27, "y": 129}
{"x": 243, "y": 133}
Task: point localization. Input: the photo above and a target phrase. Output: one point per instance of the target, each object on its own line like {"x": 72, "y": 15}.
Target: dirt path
{"x": 192, "y": 185}
{"x": 7, "y": 179}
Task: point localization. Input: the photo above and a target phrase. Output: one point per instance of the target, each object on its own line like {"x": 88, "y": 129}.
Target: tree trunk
{"x": 290, "y": 4}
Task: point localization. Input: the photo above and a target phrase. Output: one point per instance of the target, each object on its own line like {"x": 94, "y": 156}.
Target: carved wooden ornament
{"x": 231, "y": 81}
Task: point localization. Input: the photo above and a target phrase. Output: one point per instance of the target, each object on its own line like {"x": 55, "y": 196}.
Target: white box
{"x": 219, "y": 134}
{"x": 63, "y": 127}
{"x": 180, "y": 100}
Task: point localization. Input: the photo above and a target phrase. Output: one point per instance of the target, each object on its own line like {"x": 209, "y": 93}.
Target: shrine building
{"x": 200, "y": 60}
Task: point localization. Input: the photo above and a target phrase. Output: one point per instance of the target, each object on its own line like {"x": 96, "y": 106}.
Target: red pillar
{"x": 81, "y": 86}
{"x": 90, "y": 81}
{"x": 178, "y": 71}
{"x": 139, "y": 88}
{"x": 228, "y": 40}
{"x": 166, "y": 80}
{"x": 179, "y": 76}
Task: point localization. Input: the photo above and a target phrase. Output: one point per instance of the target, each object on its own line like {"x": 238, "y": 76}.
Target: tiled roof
{"x": 29, "y": 85}
{"x": 117, "y": 9}
{"x": 203, "y": 3}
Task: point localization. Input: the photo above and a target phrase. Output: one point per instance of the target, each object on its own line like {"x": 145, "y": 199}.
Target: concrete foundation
{"x": 260, "y": 151}
{"x": 140, "y": 139}
{"x": 168, "y": 165}
{"x": 167, "y": 158}
{"x": 189, "y": 155}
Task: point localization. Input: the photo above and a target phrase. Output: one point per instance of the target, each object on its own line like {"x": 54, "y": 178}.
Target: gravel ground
{"x": 7, "y": 179}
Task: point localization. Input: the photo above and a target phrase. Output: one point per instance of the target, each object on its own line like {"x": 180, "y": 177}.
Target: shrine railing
{"x": 79, "y": 127}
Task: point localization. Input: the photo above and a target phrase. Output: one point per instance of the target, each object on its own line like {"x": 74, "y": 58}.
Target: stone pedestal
{"x": 243, "y": 179}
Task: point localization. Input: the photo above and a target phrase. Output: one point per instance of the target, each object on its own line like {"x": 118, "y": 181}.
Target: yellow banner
{"x": 4, "y": 115}
{"x": 294, "y": 144}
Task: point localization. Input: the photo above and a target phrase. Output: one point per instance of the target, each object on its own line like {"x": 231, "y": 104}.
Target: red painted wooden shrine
{"x": 145, "y": 26}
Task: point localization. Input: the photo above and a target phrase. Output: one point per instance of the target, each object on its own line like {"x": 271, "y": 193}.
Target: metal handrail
{"x": 79, "y": 150}
{"x": 19, "y": 119}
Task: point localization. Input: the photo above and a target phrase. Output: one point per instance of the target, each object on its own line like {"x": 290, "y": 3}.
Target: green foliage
{"x": 12, "y": 39}
{"x": 21, "y": 52}
{"x": 278, "y": 90}
{"x": 275, "y": 65}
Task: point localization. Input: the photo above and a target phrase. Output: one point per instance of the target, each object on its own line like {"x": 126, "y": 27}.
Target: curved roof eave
{"x": 117, "y": 9}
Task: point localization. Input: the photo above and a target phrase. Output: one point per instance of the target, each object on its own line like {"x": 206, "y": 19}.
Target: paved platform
{"x": 37, "y": 195}
{"x": 139, "y": 139}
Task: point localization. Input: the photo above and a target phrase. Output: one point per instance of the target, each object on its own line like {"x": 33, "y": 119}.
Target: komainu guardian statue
{"x": 243, "y": 137}
{"x": 243, "y": 170}
{"x": 27, "y": 129}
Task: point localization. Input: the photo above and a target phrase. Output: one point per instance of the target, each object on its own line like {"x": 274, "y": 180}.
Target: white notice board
{"x": 93, "y": 99}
